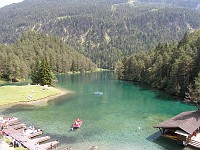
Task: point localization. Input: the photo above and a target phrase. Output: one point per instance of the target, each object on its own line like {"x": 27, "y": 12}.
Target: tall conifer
{"x": 41, "y": 73}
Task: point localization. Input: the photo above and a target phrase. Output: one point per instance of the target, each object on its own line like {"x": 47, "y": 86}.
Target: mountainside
{"x": 103, "y": 30}
{"x": 16, "y": 60}
{"x": 192, "y": 4}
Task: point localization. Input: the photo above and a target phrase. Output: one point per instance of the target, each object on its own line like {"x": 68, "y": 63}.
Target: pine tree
{"x": 184, "y": 40}
{"x": 197, "y": 89}
{"x": 41, "y": 73}
{"x": 45, "y": 73}
{"x": 35, "y": 73}
{"x": 193, "y": 94}
{"x": 120, "y": 70}
{"x": 173, "y": 85}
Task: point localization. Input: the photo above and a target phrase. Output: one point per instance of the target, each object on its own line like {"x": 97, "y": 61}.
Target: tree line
{"x": 17, "y": 60}
{"x": 173, "y": 67}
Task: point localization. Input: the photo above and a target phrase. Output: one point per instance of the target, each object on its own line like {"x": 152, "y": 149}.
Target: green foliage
{"x": 197, "y": 88}
{"x": 171, "y": 67}
{"x": 46, "y": 74}
{"x": 35, "y": 72}
{"x": 192, "y": 4}
{"x": 18, "y": 59}
{"x": 103, "y": 30}
{"x": 193, "y": 93}
{"x": 41, "y": 73}
{"x": 120, "y": 70}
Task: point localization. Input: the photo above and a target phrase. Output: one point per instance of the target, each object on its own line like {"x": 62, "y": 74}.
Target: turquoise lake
{"x": 120, "y": 119}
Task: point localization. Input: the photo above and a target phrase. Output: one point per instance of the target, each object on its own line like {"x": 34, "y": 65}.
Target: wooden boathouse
{"x": 183, "y": 128}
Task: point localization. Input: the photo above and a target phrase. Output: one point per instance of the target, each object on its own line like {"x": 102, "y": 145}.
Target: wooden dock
{"x": 32, "y": 135}
{"x": 16, "y": 131}
{"x": 50, "y": 145}
{"x": 41, "y": 139}
{"x": 19, "y": 126}
{"x": 14, "y": 123}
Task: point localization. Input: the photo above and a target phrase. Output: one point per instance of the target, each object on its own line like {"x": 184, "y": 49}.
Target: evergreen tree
{"x": 196, "y": 67}
{"x": 41, "y": 73}
{"x": 120, "y": 70}
{"x": 35, "y": 73}
{"x": 184, "y": 40}
{"x": 193, "y": 94}
{"x": 196, "y": 93}
{"x": 45, "y": 73}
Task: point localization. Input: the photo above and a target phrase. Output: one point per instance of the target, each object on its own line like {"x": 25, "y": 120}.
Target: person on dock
{"x": 15, "y": 143}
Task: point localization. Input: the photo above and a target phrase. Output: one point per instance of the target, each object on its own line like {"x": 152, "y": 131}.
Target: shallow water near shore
{"x": 122, "y": 118}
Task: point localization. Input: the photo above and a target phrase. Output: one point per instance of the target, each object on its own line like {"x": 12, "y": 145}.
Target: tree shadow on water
{"x": 159, "y": 93}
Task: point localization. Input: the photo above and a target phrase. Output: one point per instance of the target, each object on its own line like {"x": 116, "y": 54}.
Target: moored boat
{"x": 7, "y": 121}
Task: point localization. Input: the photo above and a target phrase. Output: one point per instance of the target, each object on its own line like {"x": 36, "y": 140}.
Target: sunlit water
{"x": 120, "y": 119}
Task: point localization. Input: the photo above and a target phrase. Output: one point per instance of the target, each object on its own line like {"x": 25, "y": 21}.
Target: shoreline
{"x": 45, "y": 100}
{"x": 39, "y": 102}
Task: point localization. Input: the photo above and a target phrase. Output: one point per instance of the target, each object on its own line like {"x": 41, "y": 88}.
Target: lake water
{"x": 120, "y": 119}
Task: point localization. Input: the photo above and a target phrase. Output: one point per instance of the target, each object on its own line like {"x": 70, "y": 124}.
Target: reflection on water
{"x": 122, "y": 118}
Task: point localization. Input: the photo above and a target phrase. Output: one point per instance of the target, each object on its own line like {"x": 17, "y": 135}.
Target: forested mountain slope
{"x": 17, "y": 59}
{"x": 192, "y": 4}
{"x": 103, "y": 30}
{"x": 171, "y": 67}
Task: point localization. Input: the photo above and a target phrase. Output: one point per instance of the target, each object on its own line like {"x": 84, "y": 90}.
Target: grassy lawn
{"x": 14, "y": 94}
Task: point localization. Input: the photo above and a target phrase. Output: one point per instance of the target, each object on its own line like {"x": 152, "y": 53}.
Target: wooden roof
{"x": 187, "y": 121}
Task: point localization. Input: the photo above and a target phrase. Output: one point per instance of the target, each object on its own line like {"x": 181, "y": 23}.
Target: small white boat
{"x": 98, "y": 93}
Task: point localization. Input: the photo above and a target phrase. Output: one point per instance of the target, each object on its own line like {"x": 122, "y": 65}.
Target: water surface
{"x": 122, "y": 118}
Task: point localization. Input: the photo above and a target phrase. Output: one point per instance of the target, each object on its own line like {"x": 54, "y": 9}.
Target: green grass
{"x": 15, "y": 94}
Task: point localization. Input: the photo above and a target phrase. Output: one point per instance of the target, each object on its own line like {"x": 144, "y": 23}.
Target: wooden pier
{"x": 19, "y": 126}
{"x": 17, "y": 132}
{"x": 32, "y": 135}
{"x": 41, "y": 139}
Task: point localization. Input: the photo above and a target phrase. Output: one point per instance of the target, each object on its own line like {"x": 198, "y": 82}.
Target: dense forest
{"x": 17, "y": 60}
{"x": 103, "y": 30}
{"x": 174, "y": 68}
{"x": 192, "y": 4}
